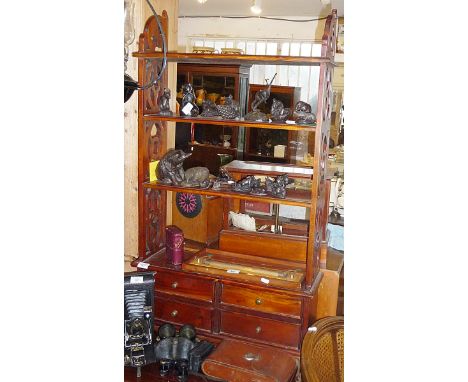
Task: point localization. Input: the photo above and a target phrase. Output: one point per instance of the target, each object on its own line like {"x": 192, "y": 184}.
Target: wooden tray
{"x": 263, "y": 271}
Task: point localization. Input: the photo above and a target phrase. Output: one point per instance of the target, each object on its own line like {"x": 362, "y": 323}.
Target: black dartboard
{"x": 189, "y": 205}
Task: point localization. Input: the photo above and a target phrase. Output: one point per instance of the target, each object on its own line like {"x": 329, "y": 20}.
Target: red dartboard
{"x": 189, "y": 205}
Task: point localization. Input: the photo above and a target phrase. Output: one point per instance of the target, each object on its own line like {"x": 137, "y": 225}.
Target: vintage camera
{"x": 138, "y": 319}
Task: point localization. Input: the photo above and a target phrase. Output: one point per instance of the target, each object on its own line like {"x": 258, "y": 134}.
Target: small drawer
{"x": 262, "y": 329}
{"x": 261, "y": 301}
{"x": 184, "y": 285}
{"x": 180, "y": 313}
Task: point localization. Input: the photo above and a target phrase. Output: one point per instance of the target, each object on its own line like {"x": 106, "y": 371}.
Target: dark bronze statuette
{"x": 277, "y": 186}
{"x": 169, "y": 169}
{"x": 230, "y": 109}
{"x": 209, "y": 109}
{"x": 260, "y": 97}
{"x": 278, "y": 112}
{"x": 303, "y": 113}
{"x": 189, "y": 104}
{"x": 163, "y": 103}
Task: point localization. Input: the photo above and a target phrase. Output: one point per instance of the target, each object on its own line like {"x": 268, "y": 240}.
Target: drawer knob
{"x": 175, "y": 284}
{"x": 174, "y": 313}
{"x": 251, "y": 357}
{"x": 258, "y": 301}
{"x": 258, "y": 329}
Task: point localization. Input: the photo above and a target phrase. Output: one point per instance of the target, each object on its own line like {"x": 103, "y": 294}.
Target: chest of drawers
{"x": 226, "y": 308}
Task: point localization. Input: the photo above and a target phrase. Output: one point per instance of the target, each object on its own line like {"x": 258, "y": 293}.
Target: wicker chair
{"x": 322, "y": 354}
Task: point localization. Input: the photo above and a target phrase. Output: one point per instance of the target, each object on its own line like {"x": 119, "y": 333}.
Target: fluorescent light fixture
{"x": 202, "y": 1}
{"x": 256, "y": 7}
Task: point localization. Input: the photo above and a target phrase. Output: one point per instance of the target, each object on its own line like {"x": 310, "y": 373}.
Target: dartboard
{"x": 189, "y": 205}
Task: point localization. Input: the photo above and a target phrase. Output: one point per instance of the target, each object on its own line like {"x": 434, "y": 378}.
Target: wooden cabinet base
{"x": 224, "y": 308}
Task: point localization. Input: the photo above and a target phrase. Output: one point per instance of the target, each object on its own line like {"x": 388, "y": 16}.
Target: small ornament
{"x": 278, "y": 112}
{"x": 163, "y": 103}
{"x": 260, "y": 97}
{"x": 247, "y": 184}
{"x": 223, "y": 181}
{"x": 189, "y": 107}
{"x": 170, "y": 168}
{"x": 277, "y": 187}
{"x": 197, "y": 177}
{"x": 201, "y": 95}
{"x": 230, "y": 109}
{"x": 209, "y": 109}
{"x": 303, "y": 113}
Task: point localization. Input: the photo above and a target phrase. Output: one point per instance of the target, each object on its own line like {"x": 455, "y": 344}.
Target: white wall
{"x": 255, "y": 28}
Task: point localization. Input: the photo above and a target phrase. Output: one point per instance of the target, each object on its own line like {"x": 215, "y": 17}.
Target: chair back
{"x": 322, "y": 354}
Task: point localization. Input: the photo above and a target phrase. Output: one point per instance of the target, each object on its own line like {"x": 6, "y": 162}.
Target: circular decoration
{"x": 189, "y": 205}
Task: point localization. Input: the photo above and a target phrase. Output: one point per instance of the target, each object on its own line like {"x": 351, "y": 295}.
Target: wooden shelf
{"x": 230, "y": 59}
{"x": 212, "y": 146}
{"x": 269, "y": 169}
{"x": 229, "y": 122}
{"x": 268, "y": 157}
{"x": 300, "y": 199}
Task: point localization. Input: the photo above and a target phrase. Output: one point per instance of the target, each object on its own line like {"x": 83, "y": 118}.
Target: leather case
{"x": 237, "y": 361}
{"x": 174, "y": 244}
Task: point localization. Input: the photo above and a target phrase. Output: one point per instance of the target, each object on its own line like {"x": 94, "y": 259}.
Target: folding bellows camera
{"x": 138, "y": 319}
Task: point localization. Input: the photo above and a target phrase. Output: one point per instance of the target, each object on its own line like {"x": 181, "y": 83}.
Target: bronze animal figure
{"x": 278, "y": 112}
{"x": 170, "y": 168}
{"x": 262, "y": 95}
{"x": 163, "y": 102}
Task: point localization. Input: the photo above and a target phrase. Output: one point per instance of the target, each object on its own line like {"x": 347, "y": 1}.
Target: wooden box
{"x": 200, "y": 217}
{"x": 265, "y": 244}
{"x": 237, "y": 361}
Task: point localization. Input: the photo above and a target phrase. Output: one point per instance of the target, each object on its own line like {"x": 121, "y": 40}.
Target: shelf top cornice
{"x": 243, "y": 59}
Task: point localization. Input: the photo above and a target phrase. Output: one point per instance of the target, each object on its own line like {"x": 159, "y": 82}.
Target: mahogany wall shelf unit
{"x": 270, "y": 297}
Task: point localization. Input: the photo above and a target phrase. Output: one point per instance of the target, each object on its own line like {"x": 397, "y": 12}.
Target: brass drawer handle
{"x": 174, "y": 313}
{"x": 175, "y": 284}
{"x": 258, "y": 329}
{"x": 258, "y": 301}
{"x": 251, "y": 357}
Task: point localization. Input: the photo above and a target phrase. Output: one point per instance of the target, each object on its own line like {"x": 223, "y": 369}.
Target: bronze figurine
{"x": 260, "y": 97}
{"x": 163, "y": 103}
{"x": 277, "y": 187}
{"x": 303, "y": 113}
{"x": 170, "y": 168}
{"x": 197, "y": 177}
{"x": 230, "y": 109}
{"x": 189, "y": 105}
{"x": 278, "y": 112}
{"x": 246, "y": 184}
{"x": 209, "y": 109}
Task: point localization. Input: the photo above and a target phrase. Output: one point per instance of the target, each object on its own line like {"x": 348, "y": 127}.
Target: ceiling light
{"x": 202, "y": 1}
{"x": 256, "y": 7}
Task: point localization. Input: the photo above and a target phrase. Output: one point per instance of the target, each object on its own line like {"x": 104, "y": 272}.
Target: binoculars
{"x": 182, "y": 354}
{"x": 173, "y": 352}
